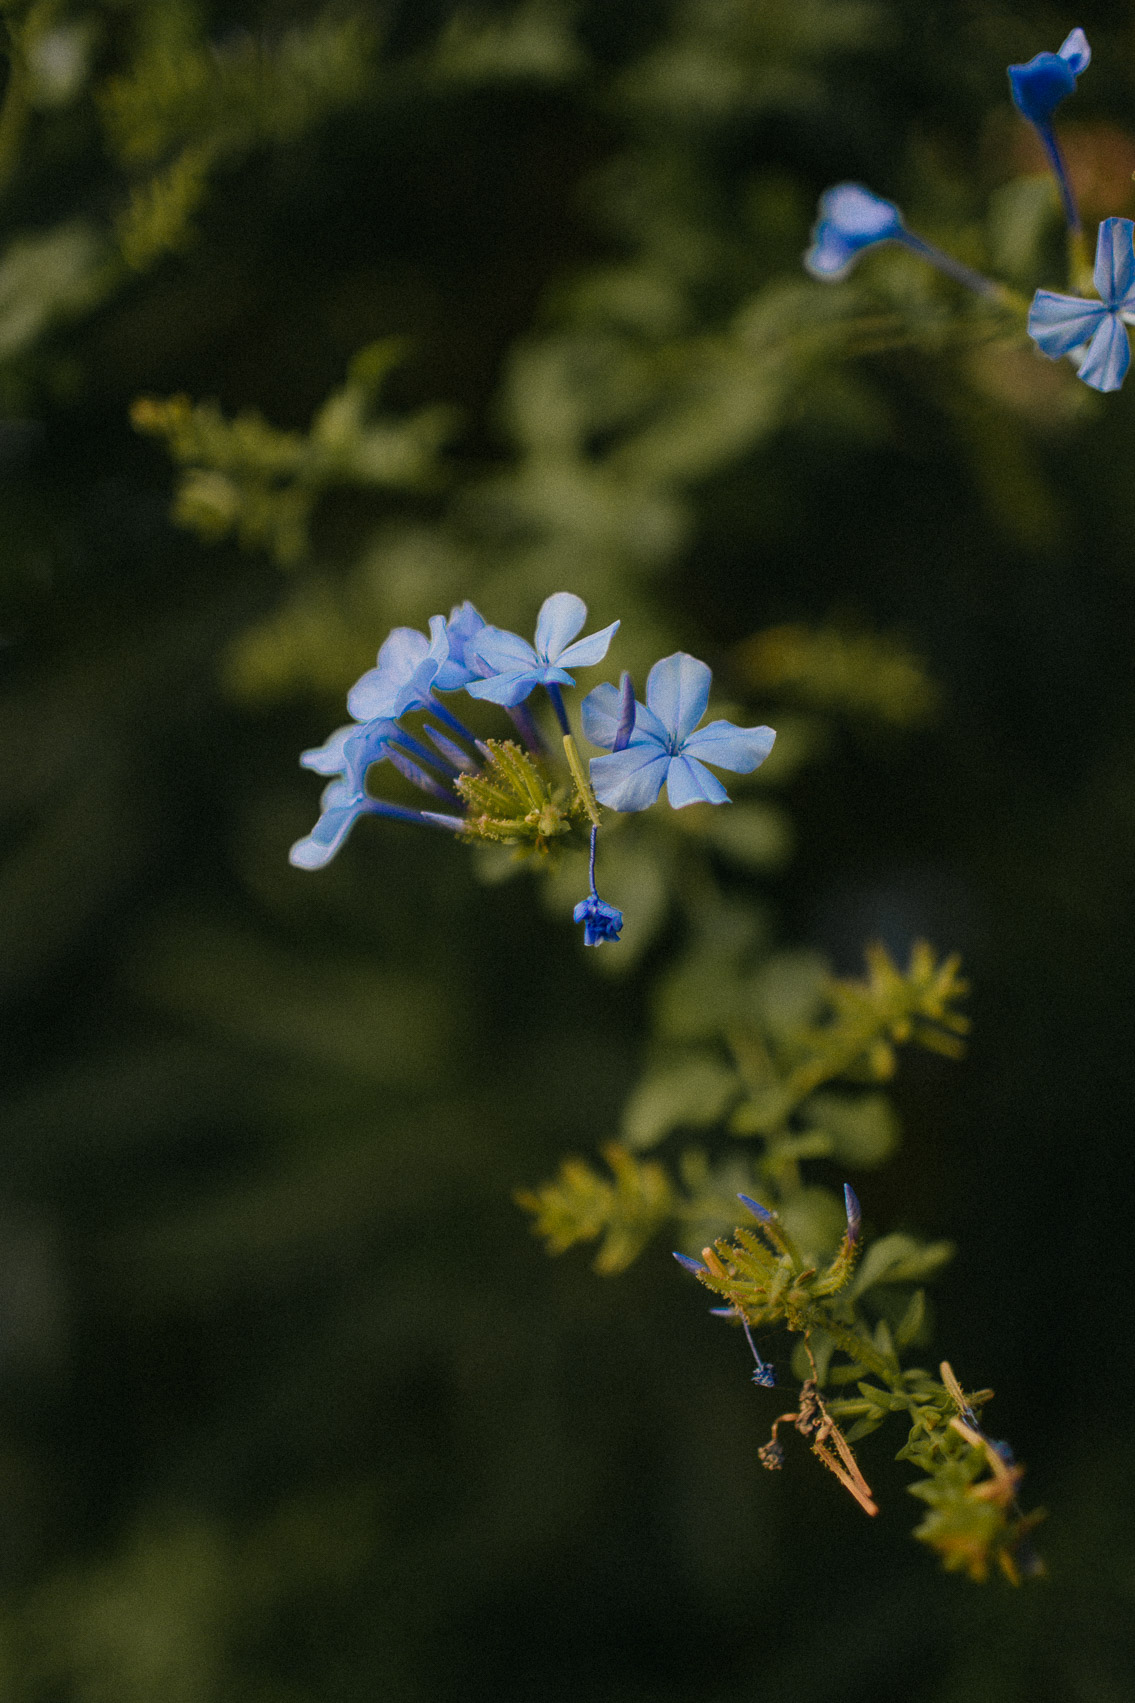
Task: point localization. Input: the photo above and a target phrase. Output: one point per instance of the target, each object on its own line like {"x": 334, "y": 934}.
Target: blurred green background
{"x": 292, "y": 1405}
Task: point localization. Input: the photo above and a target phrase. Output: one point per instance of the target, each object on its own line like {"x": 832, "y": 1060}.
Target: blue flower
{"x": 463, "y": 626}
{"x": 600, "y": 921}
{"x": 512, "y": 667}
{"x": 851, "y": 219}
{"x": 1048, "y": 78}
{"x": 410, "y": 666}
{"x": 664, "y": 747}
{"x": 348, "y": 754}
{"x": 1038, "y": 88}
{"x": 404, "y": 676}
{"x": 1059, "y": 325}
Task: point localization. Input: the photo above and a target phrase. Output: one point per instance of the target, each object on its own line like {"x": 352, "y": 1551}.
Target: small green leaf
{"x": 900, "y": 1259}
{"x": 693, "y": 1092}
{"x": 864, "y": 1127}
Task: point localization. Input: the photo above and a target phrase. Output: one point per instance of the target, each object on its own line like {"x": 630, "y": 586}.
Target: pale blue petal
{"x": 831, "y": 256}
{"x": 377, "y": 692}
{"x": 741, "y": 749}
{"x": 859, "y": 214}
{"x": 1105, "y": 365}
{"x": 366, "y": 746}
{"x": 512, "y": 689}
{"x": 329, "y": 758}
{"x": 851, "y": 219}
{"x": 1074, "y": 48}
{"x": 560, "y": 619}
{"x": 630, "y": 779}
{"x": 464, "y": 625}
{"x": 647, "y": 726}
{"x": 585, "y": 653}
{"x": 600, "y": 712}
{"x": 1058, "y": 324}
{"x": 677, "y": 690}
{"x": 690, "y": 782}
{"x": 507, "y": 689}
{"x": 1115, "y": 262}
{"x": 502, "y": 652}
{"x": 320, "y": 846}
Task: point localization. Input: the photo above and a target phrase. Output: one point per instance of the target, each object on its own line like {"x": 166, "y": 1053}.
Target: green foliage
{"x": 248, "y": 477}
{"x": 859, "y": 673}
{"x": 581, "y": 1205}
{"x": 182, "y": 91}
{"x": 975, "y": 1519}
{"x": 804, "y": 1030}
{"x": 233, "y": 1098}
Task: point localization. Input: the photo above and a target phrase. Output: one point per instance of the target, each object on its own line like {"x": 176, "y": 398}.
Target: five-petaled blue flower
{"x": 512, "y": 667}
{"x": 410, "y": 666}
{"x": 664, "y": 747}
{"x": 851, "y": 219}
{"x": 1060, "y": 324}
{"x": 1048, "y": 78}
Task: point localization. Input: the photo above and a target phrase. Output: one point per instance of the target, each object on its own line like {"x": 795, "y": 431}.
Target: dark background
{"x": 292, "y": 1406}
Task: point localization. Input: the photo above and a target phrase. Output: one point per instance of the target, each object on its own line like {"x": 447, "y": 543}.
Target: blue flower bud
{"x": 757, "y": 1210}
{"x": 688, "y": 1263}
{"x": 600, "y": 921}
{"x": 854, "y": 1217}
{"x": 1049, "y": 78}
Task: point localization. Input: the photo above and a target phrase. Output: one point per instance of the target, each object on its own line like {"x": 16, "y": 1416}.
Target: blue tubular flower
{"x": 853, "y": 218}
{"x": 347, "y": 755}
{"x": 512, "y": 667}
{"x": 1038, "y": 89}
{"x": 1059, "y": 325}
{"x": 664, "y": 747}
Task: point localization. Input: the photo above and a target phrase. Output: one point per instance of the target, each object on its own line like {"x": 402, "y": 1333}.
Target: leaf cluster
{"x": 249, "y": 478}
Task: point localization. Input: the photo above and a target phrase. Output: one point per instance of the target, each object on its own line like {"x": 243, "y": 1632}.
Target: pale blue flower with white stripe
{"x": 513, "y": 668}
{"x": 1096, "y": 332}
{"x": 666, "y": 746}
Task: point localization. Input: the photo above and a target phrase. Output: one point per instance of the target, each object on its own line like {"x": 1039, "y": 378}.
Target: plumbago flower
{"x": 666, "y": 747}
{"x": 1038, "y": 89}
{"x": 853, "y": 219}
{"x": 1095, "y": 332}
{"x": 502, "y": 790}
{"x": 512, "y": 668}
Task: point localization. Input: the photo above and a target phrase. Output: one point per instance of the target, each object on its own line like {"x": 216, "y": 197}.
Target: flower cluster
{"x": 1093, "y": 333}
{"x": 504, "y": 788}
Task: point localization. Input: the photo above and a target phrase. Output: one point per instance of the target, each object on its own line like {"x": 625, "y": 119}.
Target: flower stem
{"x": 556, "y": 698}
{"x": 575, "y": 764}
